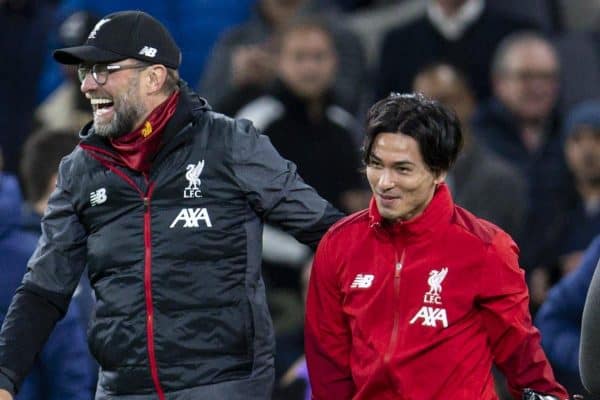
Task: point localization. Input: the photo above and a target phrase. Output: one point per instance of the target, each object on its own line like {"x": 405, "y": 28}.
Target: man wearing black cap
{"x": 163, "y": 201}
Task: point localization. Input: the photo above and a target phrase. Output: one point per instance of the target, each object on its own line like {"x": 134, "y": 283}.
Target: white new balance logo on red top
{"x": 362, "y": 281}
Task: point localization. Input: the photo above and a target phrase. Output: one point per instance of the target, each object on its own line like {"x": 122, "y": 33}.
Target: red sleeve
{"x": 327, "y": 336}
{"x": 514, "y": 341}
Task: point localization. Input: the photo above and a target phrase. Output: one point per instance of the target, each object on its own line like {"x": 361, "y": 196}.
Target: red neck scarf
{"x": 137, "y": 149}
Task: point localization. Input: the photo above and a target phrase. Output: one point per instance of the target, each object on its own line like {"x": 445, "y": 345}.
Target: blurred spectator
{"x": 306, "y": 126}
{"x": 480, "y": 181}
{"x": 61, "y": 371}
{"x": 520, "y": 124}
{"x": 25, "y": 26}
{"x": 304, "y": 123}
{"x": 242, "y": 64}
{"x": 559, "y": 319}
{"x": 67, "y": 108}
{"x": 463, "y": 33}
{"x": 195, "y": 25}
{"x": 41, "y": 156}
{"x": 581, "y": 222}
{"x": 38, "y": 171}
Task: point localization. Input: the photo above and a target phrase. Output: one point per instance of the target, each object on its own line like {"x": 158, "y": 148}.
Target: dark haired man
{"x": 164, "y": 202}
{"x": 415, "y": 297}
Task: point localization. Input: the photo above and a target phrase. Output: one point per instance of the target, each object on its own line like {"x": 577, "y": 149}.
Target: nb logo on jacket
{"x": 362, "y": 281}
{"x": 98, "y": 197}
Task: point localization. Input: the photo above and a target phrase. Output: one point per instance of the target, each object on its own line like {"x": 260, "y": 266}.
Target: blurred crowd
{"x": 522, "y": 76}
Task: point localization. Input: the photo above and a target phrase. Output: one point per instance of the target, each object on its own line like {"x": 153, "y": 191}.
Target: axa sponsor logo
{"x": 98, "y": 197}
{"x": 362, "y": 281}
{"x": 431, "y": 316}
{"x": 428, "y": 315}
{"x": 192, "y": 190}
{"x": 192, "y": 218}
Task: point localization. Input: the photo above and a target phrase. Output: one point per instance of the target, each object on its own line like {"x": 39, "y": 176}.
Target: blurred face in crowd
{"x": 582, "y": 151}
{"x": 402, "y": 184}
{"x": 118, "y": 105}
{"x": 443, "y": 84}
{"x": 527, "y": 83}
{"x": 307, "y": 62}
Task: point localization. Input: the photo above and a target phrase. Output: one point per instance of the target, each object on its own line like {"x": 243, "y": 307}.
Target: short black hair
{"x": 435, "y": 127}
{"x": 40, "y": 157}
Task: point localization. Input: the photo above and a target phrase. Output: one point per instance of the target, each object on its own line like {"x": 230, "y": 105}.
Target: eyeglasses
{"x": 100, "y": 72}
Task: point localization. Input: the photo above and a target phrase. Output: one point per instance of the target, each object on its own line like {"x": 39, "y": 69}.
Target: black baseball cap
{"x": 125, "y": 34}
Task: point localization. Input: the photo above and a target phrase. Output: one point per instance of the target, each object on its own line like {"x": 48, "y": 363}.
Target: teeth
{"x": 100, "y": 101}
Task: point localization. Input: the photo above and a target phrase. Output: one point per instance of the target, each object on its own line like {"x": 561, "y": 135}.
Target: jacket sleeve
{"x": 44, "y": 295}
{"x": 514, "y": 341}
{"x": 276, "y": 191}
{"x": 559, "y": 319}
{"x": 327, "y": 335}
{"x": 589, "y": 354}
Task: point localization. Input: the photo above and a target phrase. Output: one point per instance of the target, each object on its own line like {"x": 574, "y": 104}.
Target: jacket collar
{"x": 438, "y": 212}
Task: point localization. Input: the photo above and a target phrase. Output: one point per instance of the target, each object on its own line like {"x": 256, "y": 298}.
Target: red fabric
{"x": 359, "y": 339}
{"x": 137, "y": 149}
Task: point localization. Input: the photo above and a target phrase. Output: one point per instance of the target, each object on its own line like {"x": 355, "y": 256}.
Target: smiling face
{"x": 118, "y": 106}
{"x": 402, "y": 184}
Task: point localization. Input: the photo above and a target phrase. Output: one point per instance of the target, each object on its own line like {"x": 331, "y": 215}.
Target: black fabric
{"x": 38, "y": 312}
{"x": 549, "y": 189}
{"x": 409, "y": 48}
{"x": 322, "y": 149}
{"x": 589, "y": 353}
{"x": 125, "y": 34}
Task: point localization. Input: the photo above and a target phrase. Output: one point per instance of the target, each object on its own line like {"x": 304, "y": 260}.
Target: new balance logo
{"x": 191, "y": 217}
{"x": 94, "y": 31}
{"x": 98, "y": 197}
{"x": 362, "y": 281}
{"x": 148, "y": 51}
{"x": 430, "y": 316}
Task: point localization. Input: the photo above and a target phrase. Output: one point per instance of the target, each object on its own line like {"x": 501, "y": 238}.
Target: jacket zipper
{"x": 394, "y": 338}
{"x": 147, "y": 268}
{"x": 148, "y": 294}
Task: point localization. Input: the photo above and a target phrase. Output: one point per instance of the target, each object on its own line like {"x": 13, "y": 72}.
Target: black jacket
{"x": 174, "y": 258}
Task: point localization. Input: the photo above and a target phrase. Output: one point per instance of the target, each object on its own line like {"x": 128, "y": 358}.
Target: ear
{"x": 441, "y": 177}
{"x": 155, "y": 78}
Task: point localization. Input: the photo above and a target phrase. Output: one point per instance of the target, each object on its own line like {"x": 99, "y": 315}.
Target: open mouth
{"x": 101, "y": 106}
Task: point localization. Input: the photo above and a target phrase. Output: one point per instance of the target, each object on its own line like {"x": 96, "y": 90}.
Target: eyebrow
{"x": 396, "y": 164}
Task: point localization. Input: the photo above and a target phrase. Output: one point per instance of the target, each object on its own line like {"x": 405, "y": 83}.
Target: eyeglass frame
{"x": 82, "y": 71}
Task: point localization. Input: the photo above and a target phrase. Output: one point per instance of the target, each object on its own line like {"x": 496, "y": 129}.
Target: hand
{"x": 252, "y": 65}
{"x": 4, "y": 395}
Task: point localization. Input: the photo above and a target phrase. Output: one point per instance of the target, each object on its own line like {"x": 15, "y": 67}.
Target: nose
{"x": 386, "y": 179}
{"x": 88, "y": 83}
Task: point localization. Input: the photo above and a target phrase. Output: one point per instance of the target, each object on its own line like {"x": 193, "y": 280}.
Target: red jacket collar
{"x": 438, "y": 211}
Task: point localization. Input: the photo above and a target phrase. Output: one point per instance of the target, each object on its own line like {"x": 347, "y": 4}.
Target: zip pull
{"x": 146, "y": 202}
{"x": 400, "y": 263}
{"x": 398, "y": 269}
